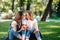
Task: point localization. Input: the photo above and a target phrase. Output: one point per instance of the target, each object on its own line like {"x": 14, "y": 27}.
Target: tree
{"x": 12, "y": 6}
{"x": 40, "y": 13}
{"x": 58, "y": 9}
{"x": 47, "y": 10}
{"x": 21, "y": 3}
{"x": 28, "y": 4}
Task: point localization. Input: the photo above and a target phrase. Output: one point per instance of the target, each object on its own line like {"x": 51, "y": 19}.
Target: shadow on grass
{"x": 51, "y": 34}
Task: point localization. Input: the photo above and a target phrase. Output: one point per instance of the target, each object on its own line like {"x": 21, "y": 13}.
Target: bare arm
{"x": 36, "y": 27}
{"x": 14, "y": 26}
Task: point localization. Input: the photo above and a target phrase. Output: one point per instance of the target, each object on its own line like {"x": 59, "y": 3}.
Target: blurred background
{"x": 42, "y": 9}
{"x": 46, "y": 12}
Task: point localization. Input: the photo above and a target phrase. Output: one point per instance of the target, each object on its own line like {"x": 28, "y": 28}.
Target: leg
{"x": 28, "y": 34}
{"x": 13, "y": 33}
{"x": 38, "y": 36}
{"x": 10, "y": 36}
{"x": 23, "y": 34}
{"x": 16, "y": 34}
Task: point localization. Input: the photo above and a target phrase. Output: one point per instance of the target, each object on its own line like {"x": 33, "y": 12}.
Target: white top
{"x": 24, "y": 21}
{"x": 13, "y": 22}
{"x": 32, "y": 24}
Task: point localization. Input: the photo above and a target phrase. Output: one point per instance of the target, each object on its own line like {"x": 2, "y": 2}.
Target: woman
{"x": 16, "y": 27}
{"x": 32, "y": 26}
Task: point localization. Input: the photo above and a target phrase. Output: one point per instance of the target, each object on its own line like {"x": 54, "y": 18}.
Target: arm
{"x": 13, "y": 24}
{"x": 36, "y": 27}
{"x": 21, "y": 29}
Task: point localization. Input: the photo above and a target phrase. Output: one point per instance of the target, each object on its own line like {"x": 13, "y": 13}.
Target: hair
{"x": 20, "y": 15}
{"x": 30, "y": 14}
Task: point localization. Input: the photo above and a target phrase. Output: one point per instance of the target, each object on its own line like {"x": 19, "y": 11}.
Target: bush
{"x": 10, "y": 16}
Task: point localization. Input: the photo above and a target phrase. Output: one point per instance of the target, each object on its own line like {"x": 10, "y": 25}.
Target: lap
{"x": 33, "y": 37}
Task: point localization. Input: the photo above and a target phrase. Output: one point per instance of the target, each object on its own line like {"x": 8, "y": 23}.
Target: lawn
{"x": 49, "y": 30}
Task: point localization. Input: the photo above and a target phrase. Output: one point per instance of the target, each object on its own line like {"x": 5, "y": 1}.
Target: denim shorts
{"x": 29, "y": 33}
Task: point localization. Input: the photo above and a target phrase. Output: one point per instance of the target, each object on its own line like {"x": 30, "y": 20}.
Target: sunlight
{"x": 48, "y": 32}
{"x": 3, "y": 32}
{"x": 59, "y": 36}
{"x": 42, "y": 8}
{"x": 39, "y": 0}
{"x": 52, "y": 26}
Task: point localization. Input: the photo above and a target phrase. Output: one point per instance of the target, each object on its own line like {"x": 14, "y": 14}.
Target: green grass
{"x": 49, "y": 30}
{"x": 4, "y": 28}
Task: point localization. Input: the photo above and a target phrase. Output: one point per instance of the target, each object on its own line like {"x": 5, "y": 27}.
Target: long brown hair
{"x": 19, "y": 14}
{"x": 30, "y": 14}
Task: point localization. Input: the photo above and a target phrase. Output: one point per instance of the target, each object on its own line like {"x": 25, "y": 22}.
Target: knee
{"x": 39, "y": 38}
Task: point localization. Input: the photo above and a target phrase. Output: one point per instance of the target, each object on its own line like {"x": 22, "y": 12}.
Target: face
{"x": 17, "y": 16}
{"x": 27, "y": 15}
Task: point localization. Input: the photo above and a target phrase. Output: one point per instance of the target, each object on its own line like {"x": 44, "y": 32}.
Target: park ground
{"x": 49, "y": 30}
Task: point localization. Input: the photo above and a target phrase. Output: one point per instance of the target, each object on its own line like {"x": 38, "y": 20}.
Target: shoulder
{"x": 24, "y": 21}
{"x": 14, "y": 22}
{"x": 35, "y": 20}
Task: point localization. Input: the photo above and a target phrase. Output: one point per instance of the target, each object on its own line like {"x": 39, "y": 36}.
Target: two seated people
{"x": 23, "y": 27}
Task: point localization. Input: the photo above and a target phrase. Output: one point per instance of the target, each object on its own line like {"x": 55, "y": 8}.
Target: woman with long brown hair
{"x": 32, "y": 26}
{"x": 16, "y": 27}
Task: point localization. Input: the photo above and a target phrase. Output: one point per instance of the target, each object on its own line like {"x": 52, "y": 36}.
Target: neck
{"x": 28, "y": 18}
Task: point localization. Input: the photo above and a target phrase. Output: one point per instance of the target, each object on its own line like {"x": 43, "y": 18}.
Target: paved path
{"x": 52, "y": 20}
{"x": 5, "y": 20}
{"x": 48, "y": 20}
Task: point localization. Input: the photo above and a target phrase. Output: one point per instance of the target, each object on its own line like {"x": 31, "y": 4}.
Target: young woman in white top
{"x": 32, "y": 26}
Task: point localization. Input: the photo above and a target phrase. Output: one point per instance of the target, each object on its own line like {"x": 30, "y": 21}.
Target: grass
{"x": 4, "y": 28}
{"x": 49, "y": 30}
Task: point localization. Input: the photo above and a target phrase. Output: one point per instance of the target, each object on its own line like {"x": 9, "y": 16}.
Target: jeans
{"x": 13, "y": 33}
{"x": 29, "y": 33}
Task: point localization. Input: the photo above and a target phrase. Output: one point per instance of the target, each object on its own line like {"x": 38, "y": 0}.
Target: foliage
{"x": 36, "y": 5}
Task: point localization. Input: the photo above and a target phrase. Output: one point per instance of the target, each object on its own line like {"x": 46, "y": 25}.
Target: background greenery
{"x": 38, "y": 7}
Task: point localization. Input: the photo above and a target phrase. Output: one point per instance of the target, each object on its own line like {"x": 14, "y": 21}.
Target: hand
{"x": 36, "y": 31}
{"x": 22, "y": 28}
{"x": 27, "y": 27}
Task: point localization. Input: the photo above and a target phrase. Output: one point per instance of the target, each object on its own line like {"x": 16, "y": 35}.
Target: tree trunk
{"x": 58, "y": 9}
{"x": 50, "y": 14}
{"x": 28, "y": 4}
{"x": 21, "y": 3}
{"x": 12, "y": 5}
{"x": 40, "y": 13}
{"x": 47, "y": 10}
